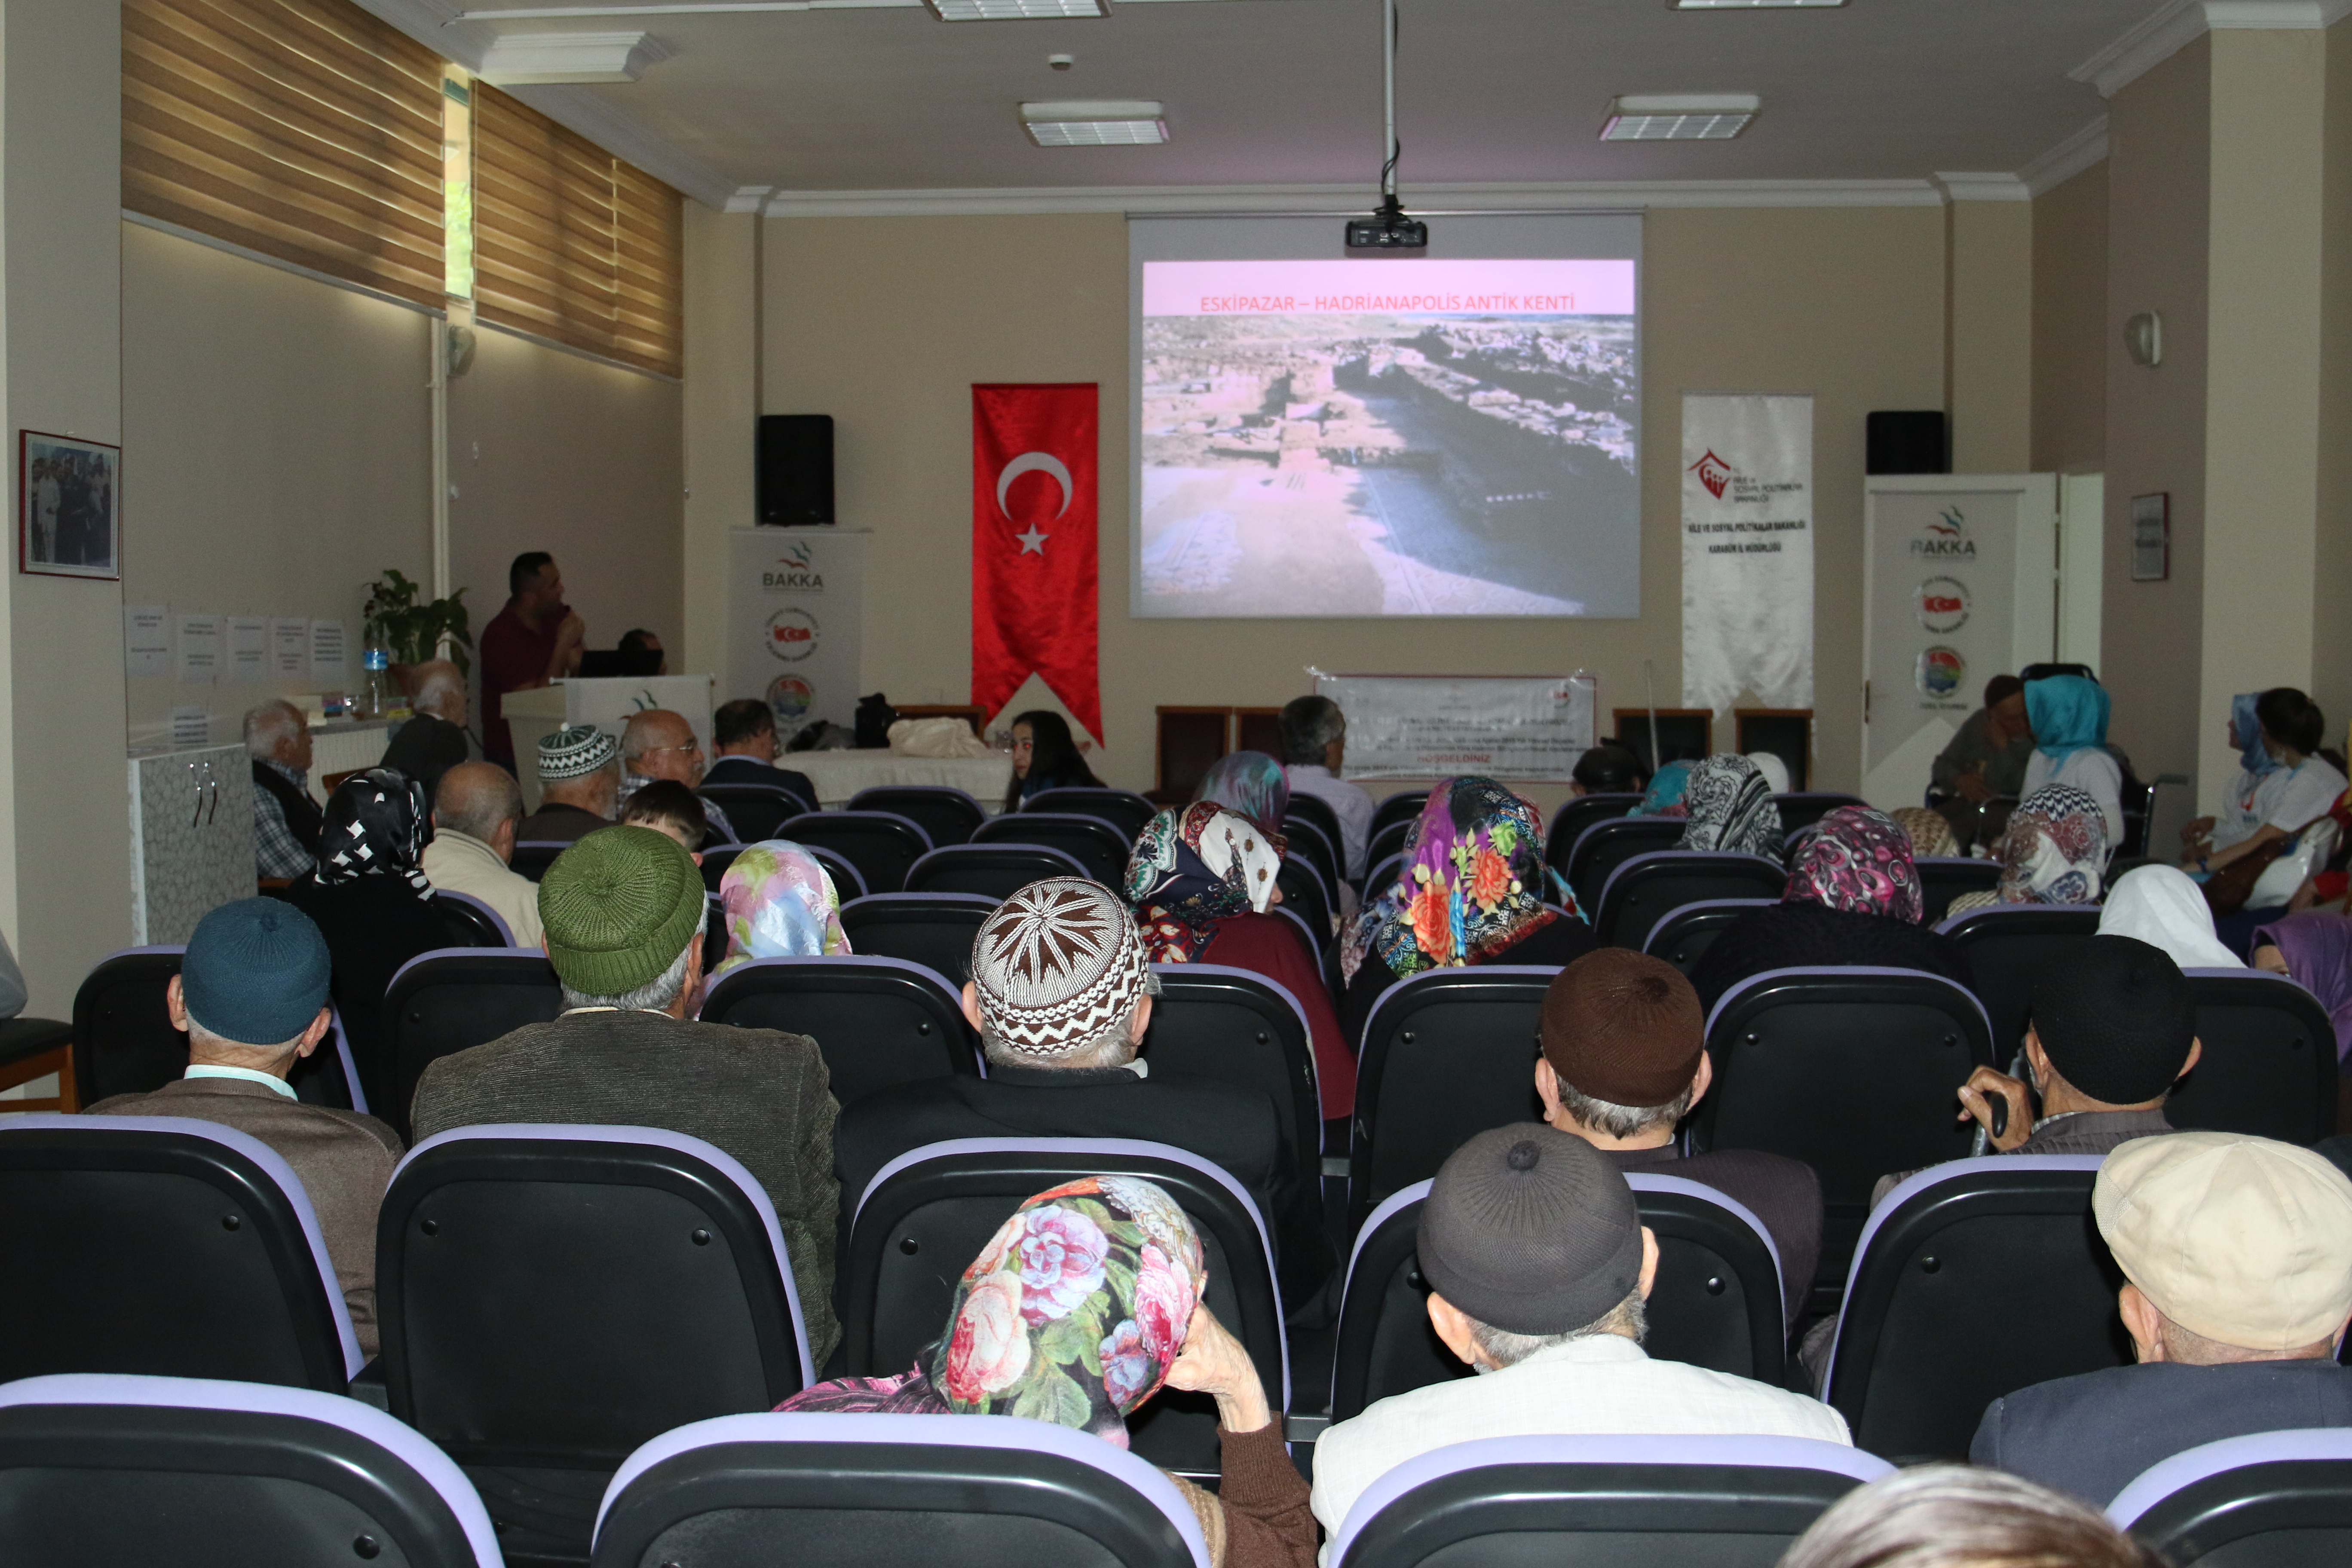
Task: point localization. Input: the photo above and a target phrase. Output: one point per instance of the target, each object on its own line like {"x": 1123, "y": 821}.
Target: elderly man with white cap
{"x": 579, "y": 785}
{"x": 2236, "y": 1257}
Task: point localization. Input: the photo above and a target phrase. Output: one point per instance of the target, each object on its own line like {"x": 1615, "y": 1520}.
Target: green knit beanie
{"x": 619, "y": 907}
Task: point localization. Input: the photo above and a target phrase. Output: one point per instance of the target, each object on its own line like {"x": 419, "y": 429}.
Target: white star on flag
{"x": 1033, "y": 542}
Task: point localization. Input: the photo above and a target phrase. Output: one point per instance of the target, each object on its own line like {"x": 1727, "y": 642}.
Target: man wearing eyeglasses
{"x": 660, "y": 744}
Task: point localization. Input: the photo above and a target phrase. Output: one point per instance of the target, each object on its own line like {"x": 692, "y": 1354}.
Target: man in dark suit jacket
{"x": 2237, "y": 1258}
{"x": 743, "y": 740}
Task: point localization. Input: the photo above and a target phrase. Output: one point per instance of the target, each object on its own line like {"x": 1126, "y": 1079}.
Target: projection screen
{"x": 1457, "y": 433}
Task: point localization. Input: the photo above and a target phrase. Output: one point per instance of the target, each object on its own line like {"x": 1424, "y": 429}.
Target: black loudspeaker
{"x": 1907, "y": 442}
{"x": 796, "y": 469}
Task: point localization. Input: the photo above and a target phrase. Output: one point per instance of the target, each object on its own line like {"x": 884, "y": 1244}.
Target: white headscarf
{"x": 2164, "y": 908}
{"x": 1775, "y": 771}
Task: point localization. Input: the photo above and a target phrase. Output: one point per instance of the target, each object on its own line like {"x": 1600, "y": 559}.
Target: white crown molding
{"x": 2174, "y": 26}
{"x": 2066, "y": 160}
{"x": 1968, "y": 187}
{"x": 1310, "y": 201}
{"x": 529, "y": 60}
{"x": 747, "y": 198}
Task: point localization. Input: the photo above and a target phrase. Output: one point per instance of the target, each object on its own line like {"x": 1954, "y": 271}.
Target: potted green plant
{"x": 412, "y": 633}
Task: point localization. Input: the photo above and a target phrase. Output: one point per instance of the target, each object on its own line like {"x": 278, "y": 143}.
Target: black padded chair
{"x": 533, "y": 857}
{"x": 1647, "y": 888}
{"x": 1089, "y": 840}
{"x": 464, "y": 913}
{"x": 1607, "y": 844}
{"x": 453, "y": 999}
{"x": 1378, "y": 874}
{"x": 1973, "y": 1280}
{"x": 1315, "y": 810}
{"x": 755, "y": 810}
{"x": 934, "y": 930}
{"x": 1854, "y": 1071}
{"x": 163, "y": 1246}
{"x": 1577, "y": 814}
{"x": 947, "y": 816}
{"x": 1305, "y": 838}
{"x": 1123, "y": 809}
{"x": 1236, "y": 1026}
{"x": 1387, "y": 841}
{"x": 995, "y": 871}
{"x": 1715, "y": 1303}
{"x": 1304, "y": 891}
{"x": 550, "y": 1298}
{"x": 879, "y": 1020}
{"x": 1942, "y": 878}
{"x": 2282, "y": 1498}
{"x": 882, "y": 847}
{"x": 846, "y": 1491}
{"x": 2269, "y": 1061}
{"x": 1402, "y": 806}
{"x": 2009, "y": 947}
{"x": 123, "y": 1041}
{"x": 1682, "y": 936}
{"x": 1628, "y": 1501}
{"x": 1804, "y": 807}
{"x": 106, "y": 1472}
{"x": 1453, "y": 1052}
{"x": 927, "y": 1215}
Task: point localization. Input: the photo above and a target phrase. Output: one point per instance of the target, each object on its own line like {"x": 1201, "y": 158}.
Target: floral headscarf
{"x": 1858, "y": 861}
{"x": 1194, "y": 867}
{"x": 779, "y": 904}
{"x": 377, "y": 825}
{"x": 2318, "y": 947}
{"x": 1929, "y": 834}
{"x": 1072, "y": 1313}
{"x": 1248, "y": 783}
{"x": 1665, "y": 796}
{"x": 1472, "y": 884}
{"x": 2054, "y": 850}
{"x": 1731, "y": 809}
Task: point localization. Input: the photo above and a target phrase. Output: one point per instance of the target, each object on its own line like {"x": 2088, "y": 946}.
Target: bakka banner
{"x": 1748, "y": 551}
{"x": 1034, "y": 545}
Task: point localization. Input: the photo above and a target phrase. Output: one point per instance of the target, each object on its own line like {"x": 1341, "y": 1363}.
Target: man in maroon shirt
{"x": 534, "y": 641}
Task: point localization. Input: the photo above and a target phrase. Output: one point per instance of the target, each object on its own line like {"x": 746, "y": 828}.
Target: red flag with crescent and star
{"x": 1033, "y": 587}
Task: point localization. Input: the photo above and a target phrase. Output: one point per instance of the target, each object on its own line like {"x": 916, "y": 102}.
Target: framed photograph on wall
{"x": 2151, "y": 518}
{"x": 69, "y": 507}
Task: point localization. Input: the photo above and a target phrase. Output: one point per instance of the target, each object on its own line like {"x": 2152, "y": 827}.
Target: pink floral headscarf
{"x": 779, "y": 904}
{"x": 1859, "y": 861}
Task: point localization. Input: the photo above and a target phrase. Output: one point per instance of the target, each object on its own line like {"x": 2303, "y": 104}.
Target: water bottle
{"x": 382, "y": 696}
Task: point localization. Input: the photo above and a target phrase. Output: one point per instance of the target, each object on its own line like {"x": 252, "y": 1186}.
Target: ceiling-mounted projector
{"x": 1388, "y": 231}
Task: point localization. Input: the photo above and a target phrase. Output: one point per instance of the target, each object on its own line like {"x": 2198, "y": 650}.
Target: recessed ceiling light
{"x": 1679, "y": 117}
{"x": 1015, "y": 10}
{"x": 1753, "y": 5}
{"x": 1094, "y": 124}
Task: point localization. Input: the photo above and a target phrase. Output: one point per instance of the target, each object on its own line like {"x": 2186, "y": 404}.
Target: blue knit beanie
{"x": 255, "y": 971}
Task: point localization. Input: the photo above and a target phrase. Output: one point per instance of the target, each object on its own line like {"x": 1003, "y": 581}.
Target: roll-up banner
{"x": 793, "y": 602}
{"x": 1747, "y": 550}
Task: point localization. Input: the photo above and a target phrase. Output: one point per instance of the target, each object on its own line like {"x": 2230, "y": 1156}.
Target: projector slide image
{"x": 1419, "y": 438}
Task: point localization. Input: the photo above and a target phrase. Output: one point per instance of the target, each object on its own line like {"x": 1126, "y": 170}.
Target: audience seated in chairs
{"x": 624, "y": 916}
{"x": 1984, "y": 764}
{"x": 285, "y": 819}
{"x": 2069, "y": 716}
{"x": 779, "y": 904}
{"x": 1202, "y": 881}
{"x": 2163, "y": 907}
{"x": 1854, "y": 898}
{"x": 1729, "y": 805}
{"x": 2053, "y": 851}
{"x": 475, "y": 815}
{"x": 1314, "y": 744}
{"x": 1930, "y": 835}
{"x": 1951, "y": 1516}
{"x": 1624, "y": 1059}
{"x": 659, "y": 744}
{"x": 2313, "y": 950}
{"x": 252, "y": 996}
{"x": 2283, "y": 784}
{"x": 1061, "y": 993}
{"x": 743, "y": 740}
{"x": 2237, "y": 1258}
{"x": 1663, "y": 797}
{"x": 674, "y": 811}
{"x": 428, "y": 746}
{"x": 579, "y": 787}
{"x": 1607, "y": 769}
{"x": 1474, "y": 864}
{"x": 1045, "y": 757}
{"x": 1539, "y": 1265}
{"x": 1080, "y": 1308}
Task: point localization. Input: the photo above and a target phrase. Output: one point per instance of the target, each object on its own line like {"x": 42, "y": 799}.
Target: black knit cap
{"x": 1532, "y": 1230}
{"x": 2117, "y": 1018}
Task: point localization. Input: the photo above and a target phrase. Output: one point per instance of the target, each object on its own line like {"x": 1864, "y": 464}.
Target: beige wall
{"x": 885, "y": 323}
{"x": 721, "y": 412}
{"x": 1989, "y": 335}
{"x": 2331, "y": 632}
{"x": 2070, "y": 325}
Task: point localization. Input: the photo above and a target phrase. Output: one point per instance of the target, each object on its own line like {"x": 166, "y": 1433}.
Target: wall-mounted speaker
{"x": 1905, "y": 441}
{"x": 795, "y": 469}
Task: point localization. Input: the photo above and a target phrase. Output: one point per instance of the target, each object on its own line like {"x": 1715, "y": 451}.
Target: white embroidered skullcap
{"x": 1056, "y": 965}
{"x": 575, "y": 752}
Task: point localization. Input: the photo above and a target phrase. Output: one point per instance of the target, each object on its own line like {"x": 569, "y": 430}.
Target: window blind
{"x": 573, "y": 244}
{"x": 305, "y": 130}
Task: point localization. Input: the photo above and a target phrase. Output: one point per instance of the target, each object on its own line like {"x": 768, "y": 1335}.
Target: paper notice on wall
{"x": 327, "y": 666}
{"x": 249, "y": 648}
{"x": 1424, "y": 727}
{"x": 199, "y": 638}
{"x": 146, "y": 640}
{"x": 192, "y": 728}
{"x": 1748, "y": 551}
{"x": 290, "y": 649}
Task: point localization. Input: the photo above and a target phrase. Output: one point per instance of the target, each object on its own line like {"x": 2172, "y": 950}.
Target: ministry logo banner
{"x": 1747, "y": 550}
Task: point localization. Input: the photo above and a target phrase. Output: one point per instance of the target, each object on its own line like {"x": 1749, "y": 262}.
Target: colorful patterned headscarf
{"x": 1929, "y": 834}
{"x": 2068, "y": 714}
{"x": 1472, "y": 884}
{"x": 2246, "y": 726}
{"x": 1858, "y": 861}
{"x": 1731, "y": 809}
{"x": 1665, "y": 796}
{"x": 2054, "y": 850}
{"x": 2318, "y": 947}
{"x": 377, "y": 825}
{"x": 1194, "y": 868}
{"x": 1072, "y": 1313}
{"x": 779, "y": 904}
{"x": 1249, "y": 783}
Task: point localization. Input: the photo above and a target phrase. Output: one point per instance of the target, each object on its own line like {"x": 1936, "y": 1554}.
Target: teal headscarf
{"x": 1251, "y": 784}
{"x": 1665, "y": 796}
{"x": 2247, "y": 727}
{"x": 2068, "y": 713}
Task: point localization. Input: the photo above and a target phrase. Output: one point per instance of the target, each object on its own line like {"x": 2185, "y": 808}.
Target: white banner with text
{"x": 1747, "y": 550}
{"x": 1439, "y": 726}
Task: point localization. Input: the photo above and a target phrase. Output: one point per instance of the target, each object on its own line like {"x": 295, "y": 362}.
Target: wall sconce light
{"x": 2144, "y": 338}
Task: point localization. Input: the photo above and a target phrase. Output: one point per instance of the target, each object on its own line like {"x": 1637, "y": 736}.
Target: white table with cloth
{"x": 838, "y": 775}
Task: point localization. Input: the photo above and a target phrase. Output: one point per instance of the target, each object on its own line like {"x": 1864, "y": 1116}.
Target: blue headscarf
{"x": 2068, "y": 713}
{"x": 1665, "y": 796}
{"x": 1251, "y": 784}
{"x": 2247, "y": 727}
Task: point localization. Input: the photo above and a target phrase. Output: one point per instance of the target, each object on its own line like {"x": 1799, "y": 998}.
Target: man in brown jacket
{"x": 255, "y": 971}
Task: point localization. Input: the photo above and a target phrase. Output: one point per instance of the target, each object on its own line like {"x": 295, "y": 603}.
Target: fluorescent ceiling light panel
{"x": 1015, "y": 10}
{"x": 1756, "y": 4}
{"x": 1084, "y": 124}
{"x": 1679, "y": 117}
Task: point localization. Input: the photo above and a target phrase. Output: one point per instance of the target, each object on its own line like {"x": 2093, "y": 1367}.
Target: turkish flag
{"x": 1034, "y": 571}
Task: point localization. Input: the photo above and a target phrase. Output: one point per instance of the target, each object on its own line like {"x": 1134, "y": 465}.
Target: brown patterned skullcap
{"x": 1056, "y": 965}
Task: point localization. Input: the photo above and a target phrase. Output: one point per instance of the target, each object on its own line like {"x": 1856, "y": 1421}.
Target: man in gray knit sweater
{"x": 623, "y": 910}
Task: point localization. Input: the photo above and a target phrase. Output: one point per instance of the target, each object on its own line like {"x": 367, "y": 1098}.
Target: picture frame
{"x": 69, "y": 507}
{"x": 2151, "y": 537}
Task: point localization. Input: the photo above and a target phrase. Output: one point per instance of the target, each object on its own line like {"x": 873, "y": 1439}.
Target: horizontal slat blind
{"x": 573, "y": 244}
{"x": 306, "y": 129}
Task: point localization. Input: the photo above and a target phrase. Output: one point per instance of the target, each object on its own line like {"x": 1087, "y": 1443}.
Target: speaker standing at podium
{"x": 535, "y": 641}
